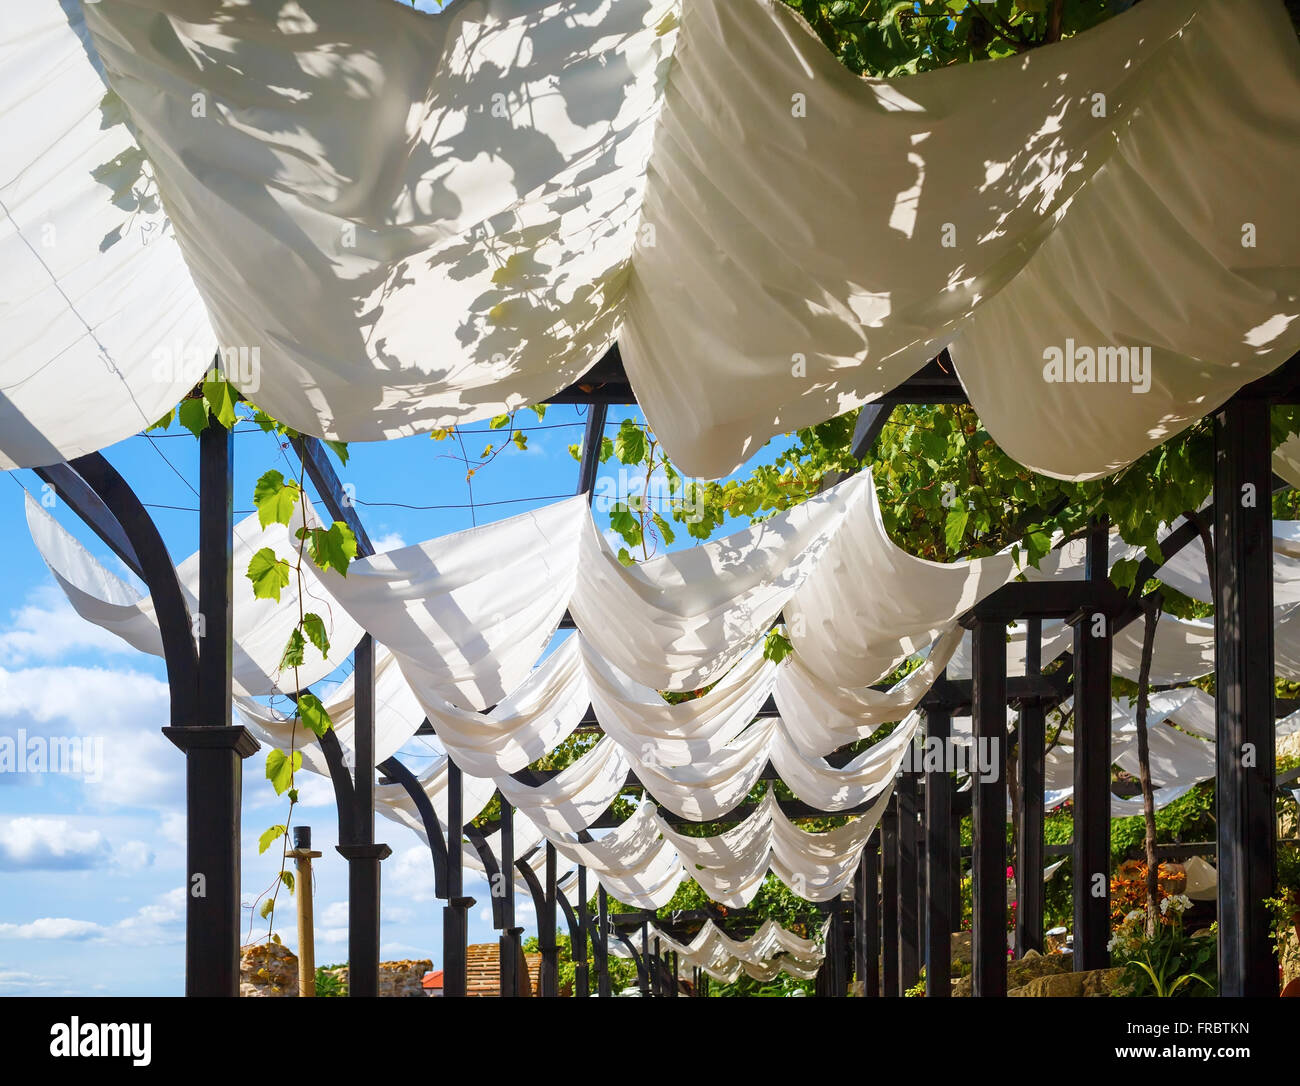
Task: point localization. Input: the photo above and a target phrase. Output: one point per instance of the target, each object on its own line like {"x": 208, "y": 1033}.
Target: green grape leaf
{"x": 194, "y": 416}
{"x": 275, "y": 499}
{"x": 314, "y": 627}
{"x": 269, "y": 837}
{"x": 293, "y": 650}
{"x": 313, "y": 714}
{"x": 280, "y": 769}
{"x": 220, "y": 400}
{"x": 269, "y": 574}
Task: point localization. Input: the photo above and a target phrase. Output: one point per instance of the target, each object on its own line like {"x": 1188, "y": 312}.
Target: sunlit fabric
{"x": 101, "y": 328}
{"x": 261, "y": 626}
{"x": 869, "y": 605}
{"x": 399, "y": 221}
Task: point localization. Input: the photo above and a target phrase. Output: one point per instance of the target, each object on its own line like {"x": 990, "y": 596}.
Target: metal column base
{"x": 363, "y": 916}
{"x": 455, "y": 934}
{"x": 214, "y": 772}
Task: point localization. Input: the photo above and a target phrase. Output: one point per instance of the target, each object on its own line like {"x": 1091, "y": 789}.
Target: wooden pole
{"x": 303, "y": 855}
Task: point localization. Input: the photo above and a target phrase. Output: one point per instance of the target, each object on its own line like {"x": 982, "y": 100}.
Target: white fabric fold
{"x": 820, "y": 718}
{"x": 261, "y": 626}
{"x": 651, "y": 729}
{"x": 422, "y": 219}
{"x": 835, "y": 789}
{"x": 397, "y": 717}
{"x": 536, "y": 717}
{"x": 679, "y": 621}
{"x": 868, "y": 604}
{"x": 103, "y": 330}
{"x": 395, "y": 803}
{"x": 468, "y": 614}
{"x": 577, "y": 795}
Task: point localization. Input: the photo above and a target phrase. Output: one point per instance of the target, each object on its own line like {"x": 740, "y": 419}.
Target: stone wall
{"x": 404, "y": 978}
{"x": 270, "y": 969}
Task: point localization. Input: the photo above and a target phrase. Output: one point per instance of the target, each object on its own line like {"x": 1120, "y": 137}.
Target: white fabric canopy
{"x": 1186, "y": 571}
{"x": 469, "y": 614}
{"x": 393, "y": 802}
{"x": 678, "y": 621}
{"x": 651, "y": 729}
{"x": 397, "y": 717}
{"x": 419, "y": 219}
{"x": 820, "y": 718}
{"x": 828, "y": 788}
{"x": 102, "y": 328}
{"x": 731, "y": 866}
{"x": 538, "y": 715}
{"x": 261, "y": 626}
{"x": 868, "y": 604}
{"x": 577, "y": 795}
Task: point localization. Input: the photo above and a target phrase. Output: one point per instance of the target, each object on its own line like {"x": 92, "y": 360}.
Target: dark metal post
{"x": 550, "y": 979}
{"x": 362, "y": 853}
{"x": 1091, "y": 852}
{"x": 871, "y": 915}
{"x": 508, "y": 954}
{"x": 645, "y": 960}
{"x": 889, "y": 964}
{"x": 989, "y": 812}
{"x": 601, "y": 946}
{"x": 455, "y": 917}
{"x": 214, "y": 747}
{"x": 581, "y": 982}
{"x": 938, "y": 854}
{"x": 909, "y": 941}
{"x": 1244, "y": 694}
{"x": 860, "y": 921}
{"x": 1029, "y": 833}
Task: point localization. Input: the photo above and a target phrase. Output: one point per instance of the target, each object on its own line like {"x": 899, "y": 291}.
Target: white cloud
{"x": 410, "y": 874}
{"x": 333, "y": 915}
{"x": 52, "y": 927}
{"x": 162, "y": 921}
{"x": 132, "y": 856}
{"x": 47, "y": 628}
{"x": 125, "y": 709}
{"x": 15, "y": 982}
{"x": 389, "y": 541}
{"x": 51, "y": 844}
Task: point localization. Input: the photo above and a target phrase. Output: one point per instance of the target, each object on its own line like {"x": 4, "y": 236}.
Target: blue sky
{"x": 93, "y": 870}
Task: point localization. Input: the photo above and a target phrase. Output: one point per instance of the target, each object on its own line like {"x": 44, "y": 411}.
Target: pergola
{"x": 908, "y": 923}
{"x": 906, "y": 890}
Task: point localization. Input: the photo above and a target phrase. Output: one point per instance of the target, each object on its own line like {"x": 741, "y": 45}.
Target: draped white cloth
{"x": 536, "y": 717}
{"x": 424, "y": 219}
{"x": 395, "y": 803}
{"x": 829, "y": 788}
{"x": 1186, "y": 571}
{"x": 577, "y": 795}
{"x": 868, "y": 604}
{"x": 679, "y": 620}
{"x": 634, "y": 862}
{"x": 820, "y": 718}
{"x": 731, "y": 866}
{"x": 261, "y": 626}
{"x": 469, "y": 614}
{"x": 397, "y": 717}
{"x": 651, "y": 729}
{"x": 103, "y": 330}
{"x": 710, "y": 787}
{"x": 768, "y": 952}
